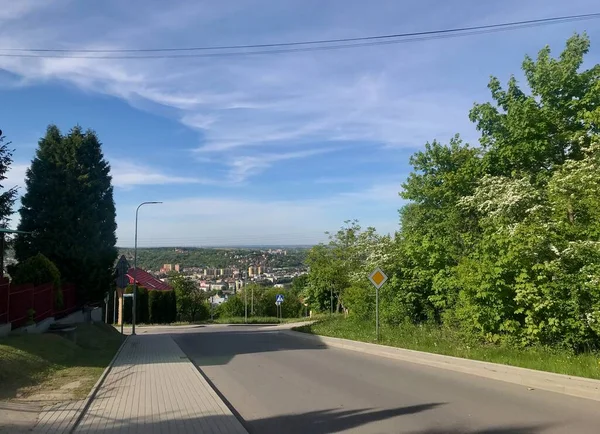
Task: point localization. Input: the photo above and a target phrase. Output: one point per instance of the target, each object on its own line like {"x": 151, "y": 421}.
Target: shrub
{"x": 234, "y": 306}
{"x": 141, "y": 310}
{"x": 156, "y": 307}
{"x": 162, "y": 307}
{"x": 30, "y": 317}
{"x": 172, "y": 306}
{"x": 39, "y": 270}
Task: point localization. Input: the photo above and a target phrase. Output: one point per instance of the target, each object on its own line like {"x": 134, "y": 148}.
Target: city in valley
{"x": 223, "y": 271}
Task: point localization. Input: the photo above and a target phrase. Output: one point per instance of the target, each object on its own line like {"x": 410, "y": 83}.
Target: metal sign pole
{"x": 122, "y": 311}
{"x": 377, "y": 314}
{"x": 377, "y": 278}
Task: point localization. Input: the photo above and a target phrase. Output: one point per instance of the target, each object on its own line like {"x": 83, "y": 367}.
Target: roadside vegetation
{"x": 497, "y": 255}
{"x": 449, "y": 342}
{"x": 48, "y": 367}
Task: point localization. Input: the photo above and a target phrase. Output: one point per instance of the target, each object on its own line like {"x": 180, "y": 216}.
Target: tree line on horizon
{"x": 498, "y": 241}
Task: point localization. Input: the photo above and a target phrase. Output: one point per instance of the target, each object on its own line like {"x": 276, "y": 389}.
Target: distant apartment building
{"x": 170, "y": 267}
{"x": 278, "y": 252}
{"x": 251, "y": 271}
{"x": 211, "y": 272}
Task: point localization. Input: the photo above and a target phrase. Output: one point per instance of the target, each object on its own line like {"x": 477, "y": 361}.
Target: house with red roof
{"x": 143, "y": 279}
{"x": 146, "y": 280}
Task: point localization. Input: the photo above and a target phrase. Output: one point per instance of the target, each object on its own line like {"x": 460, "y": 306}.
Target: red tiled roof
{"x": 147, "y": 280}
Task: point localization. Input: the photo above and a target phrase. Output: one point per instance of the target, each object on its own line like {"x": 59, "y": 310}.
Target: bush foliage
{"x": 500, "y": 242}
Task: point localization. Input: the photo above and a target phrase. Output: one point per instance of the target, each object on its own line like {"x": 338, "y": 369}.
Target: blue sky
{"x": 272, "y": 149}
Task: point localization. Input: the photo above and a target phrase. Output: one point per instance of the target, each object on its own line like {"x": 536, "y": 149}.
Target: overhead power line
{"x": 286, "y": 47}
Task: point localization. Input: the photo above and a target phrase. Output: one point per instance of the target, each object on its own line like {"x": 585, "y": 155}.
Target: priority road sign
{"x": 377, "y": 278}
{"x": 279, "y": 298}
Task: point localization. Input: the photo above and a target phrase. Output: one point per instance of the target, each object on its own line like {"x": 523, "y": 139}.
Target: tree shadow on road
{"x": 218, "y": 348}
{"x": 314, "y": 422}
{"x": 330, "y": 421}
{"x": 509, "y": 429}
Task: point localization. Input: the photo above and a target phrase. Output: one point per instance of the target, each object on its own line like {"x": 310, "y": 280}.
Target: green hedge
{"x": 162, "y": 307}
{"x": 141, "y": 305}
{"x": 153, "y": 307}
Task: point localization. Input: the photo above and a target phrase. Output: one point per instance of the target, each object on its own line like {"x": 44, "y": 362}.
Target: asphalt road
{"x": 280, "y": 384}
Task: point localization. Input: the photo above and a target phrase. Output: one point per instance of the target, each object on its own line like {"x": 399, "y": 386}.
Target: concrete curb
{"x": 94, "y": 391}
{"x": 565, "y": 384}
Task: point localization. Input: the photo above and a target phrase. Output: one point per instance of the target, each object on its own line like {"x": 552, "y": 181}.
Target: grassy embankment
{"x": 48, "y": 367}
{"x": 448, "y": 342}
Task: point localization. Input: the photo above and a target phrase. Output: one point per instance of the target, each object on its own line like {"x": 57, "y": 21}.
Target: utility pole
{"x": 135, "y": 268}
{"x": 245, "y": 300}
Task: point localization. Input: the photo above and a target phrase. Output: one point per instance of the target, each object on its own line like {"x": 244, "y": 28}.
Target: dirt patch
{"x": 18, "y": 417}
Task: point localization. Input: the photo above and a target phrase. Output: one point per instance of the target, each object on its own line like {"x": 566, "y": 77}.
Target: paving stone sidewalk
{"x": 154, "y": 388}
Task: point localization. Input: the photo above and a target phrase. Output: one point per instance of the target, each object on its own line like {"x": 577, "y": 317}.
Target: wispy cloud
{"x": 128, "y": 175}
{"x": 263, "y": 104}
{"x": 264, "y": 221}
{"x": 245, "y": 166}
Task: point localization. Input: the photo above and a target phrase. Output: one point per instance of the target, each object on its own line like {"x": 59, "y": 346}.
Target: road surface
{"x": 280, "y": 384}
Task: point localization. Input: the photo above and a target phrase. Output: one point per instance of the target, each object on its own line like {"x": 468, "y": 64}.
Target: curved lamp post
{"x": 135, "y": 266}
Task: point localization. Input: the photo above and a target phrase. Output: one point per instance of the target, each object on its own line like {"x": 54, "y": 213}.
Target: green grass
{"x": 42, "y": 364}
{"x": 445, "y": 341}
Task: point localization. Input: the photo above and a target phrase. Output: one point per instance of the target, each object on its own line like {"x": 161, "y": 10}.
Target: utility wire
{"x": 315, "y": 45}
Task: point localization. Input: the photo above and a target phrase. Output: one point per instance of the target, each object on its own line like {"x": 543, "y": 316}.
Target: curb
{"x": 568, "y": 385}
{"x": 94, "y": 391}
{"x": 214, "y": 388}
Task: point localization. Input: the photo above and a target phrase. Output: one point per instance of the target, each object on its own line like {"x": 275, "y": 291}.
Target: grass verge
{"x": 48, "y": 367}
{"x": 448, "y": 342}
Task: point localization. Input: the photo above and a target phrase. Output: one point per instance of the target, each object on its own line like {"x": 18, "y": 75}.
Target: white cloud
{"x": 262, "y": 104}
{"x": 15, "y": 177}
{"x": 244, "y": 166}
{"x": 127, "y": 175}
{"x": 216, "y": 221}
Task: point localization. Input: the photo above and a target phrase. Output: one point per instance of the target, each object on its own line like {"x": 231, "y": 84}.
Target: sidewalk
{"x": 154, "y": 388}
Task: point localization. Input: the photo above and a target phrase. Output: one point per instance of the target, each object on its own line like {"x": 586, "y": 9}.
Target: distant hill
{"x": 217, "y": 257}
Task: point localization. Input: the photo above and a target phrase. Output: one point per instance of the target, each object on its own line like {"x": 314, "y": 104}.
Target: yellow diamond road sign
{"x": 378, "y": 278}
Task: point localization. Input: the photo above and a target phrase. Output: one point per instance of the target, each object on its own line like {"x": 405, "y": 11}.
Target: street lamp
{"x": 135, "y": 266}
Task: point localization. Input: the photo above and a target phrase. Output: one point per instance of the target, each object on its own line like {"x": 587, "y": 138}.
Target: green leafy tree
{"x": 68, "y": 209}
{"x": 434, "y": 234}
{"x": 533, "y": 134}
{"x": 233, "y": 307}
{"x": 299, "y": 283}
{"x": 335, "y": 266}
{"x": 502, "y": 241}
{"x": 191, "y": 301}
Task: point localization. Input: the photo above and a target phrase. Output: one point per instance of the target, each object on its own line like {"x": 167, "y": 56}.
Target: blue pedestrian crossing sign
{"x": 279, "y": 298}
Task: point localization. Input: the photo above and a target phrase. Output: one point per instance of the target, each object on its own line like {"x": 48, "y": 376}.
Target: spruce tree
{"x": 70, "y": 212}
{"x": 7, "y": 195}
